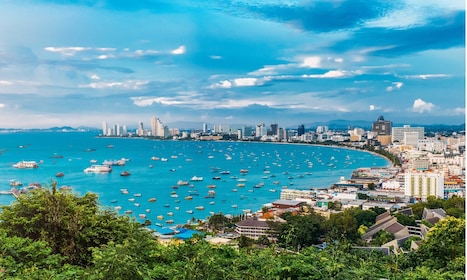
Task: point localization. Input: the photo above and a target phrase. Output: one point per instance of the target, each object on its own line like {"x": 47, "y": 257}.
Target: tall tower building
{"x": 381, "y": 126}
{"x": 301, "y": 130}
{"x": 205, "y": 128}
{"x": 274, "y": 129}
{"x": 154, "y": 126}
{"x": 104, "y": 128}
{"x": 140, "y": 130}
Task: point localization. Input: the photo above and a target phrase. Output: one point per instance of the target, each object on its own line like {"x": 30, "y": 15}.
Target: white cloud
{"x": 426, "y": 76}
{"x": 129, "y": 84}
{"x": 459, "y": 111}
{"x": 95, "y": 77}
{"x": 373, "y": 107}
{"x": 67, "y": 51}
{"x": 329, "y": 74}
{"x": 247, "y": 82}
{"x": 2, "y": 105}
{"x": 229, "y": 118}
{"x": 421, "y": 106}
{"x": 5, "y": 83}
{"x": 179, "y": 50}
{"x": 339, "y": 60}
{"x": 397, "y": 85}
{"x": 311, "y": 62}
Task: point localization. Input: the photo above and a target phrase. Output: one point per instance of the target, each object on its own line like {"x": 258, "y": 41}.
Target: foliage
{"x": 69, "y": 224}
{"x": 342, "y": 226}
{"x": 445, "y": 244}
{"x": 381, "y": 237}
{"x": 404, "y": 219}
{"x": 300, "y": 230}
{"x": 409, "y": 240}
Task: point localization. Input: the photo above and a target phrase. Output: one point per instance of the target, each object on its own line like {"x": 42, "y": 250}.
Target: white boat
{"x": 189, "y": 211}
{"x": 196, "y": 178}
{"x": 26, "y": 164}
{"x": 98, "y": 169}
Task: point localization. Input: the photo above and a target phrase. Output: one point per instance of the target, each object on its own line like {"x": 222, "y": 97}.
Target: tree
{"x": 300, "y": 230}
{"x": 70, "y": 224}
{"x": 381, "y": 237}
{"x": 444, "y": 244}
{"x": 404, "y": 219}
{"x": 342, "y": 226}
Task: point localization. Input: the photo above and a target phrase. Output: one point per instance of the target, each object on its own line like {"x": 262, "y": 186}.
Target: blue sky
{"x": 230, "y": 62}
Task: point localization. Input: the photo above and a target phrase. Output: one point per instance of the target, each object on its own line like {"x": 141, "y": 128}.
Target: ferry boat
{"x": 26, "y": 164}
{"x": 98, "y": 169}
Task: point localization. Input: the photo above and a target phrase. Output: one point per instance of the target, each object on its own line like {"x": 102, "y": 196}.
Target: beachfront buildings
{"x": 407, "y": 135}
{"x": 254, "y": 228}
{"x": 420, "y": 184}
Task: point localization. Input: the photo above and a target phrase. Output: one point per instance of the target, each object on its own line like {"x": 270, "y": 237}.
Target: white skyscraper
{"x": 104, "y": 128}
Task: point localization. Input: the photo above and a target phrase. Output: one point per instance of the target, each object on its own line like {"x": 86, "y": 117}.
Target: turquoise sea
{"x": 270, "y": 167}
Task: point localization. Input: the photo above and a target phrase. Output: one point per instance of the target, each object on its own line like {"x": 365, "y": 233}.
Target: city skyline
{"x": 231, "y": 62}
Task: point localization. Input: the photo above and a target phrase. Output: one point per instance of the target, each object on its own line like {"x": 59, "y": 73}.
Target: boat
{"x": 167, "y": 205}
{"x": 170, "y": 214}
{"x": 131, "y": 199}
{"x": 147, "y": 210}
{"x": 118, "y": 162}
{"x": 174, "y": 195}
{"x": 152, "y": 199}
{"x": 211, "y": 186}
{"x": 243, "y": 170}
{"x": 15, "y": 183}
{"x": 211, "y": 202}
{"x": 128, "y": 211}
{"x": 125, "y": 173}
{"x": 272, "y": 190}
{"x": 164, "y": 159}
{"x": 118, "y": 208}
{"x": 98, "y": 169}
{"x": 196, "y": 178}
{"x": 169, "y": 221}
{"x": 189, "y": 211}
{"x": 137, "y": 195}
{"x": 240, "y": 185}
{"x": 183, "y": 183}
{"x": 155, "y": 158}
{"x": 224, "y": 172}
{"x": 113, "y": 201}
{"x": 199, "y": 207}
{"x": 26, "y": 164}
{"x": 160, "y": 217}
{"x": 188, "y": 197}
{"x": 124, "y": 191}
{"x": 234, "y": 190}
{"x": 234, "y": 206}
{"x": 211, "y": 192}
{"x": 216, "y": 178}
{"x": 60, "y": 174}
{"x": 142, "y": 216}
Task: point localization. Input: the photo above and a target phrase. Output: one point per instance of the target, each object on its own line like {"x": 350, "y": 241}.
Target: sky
{"x": 83, "y": 62}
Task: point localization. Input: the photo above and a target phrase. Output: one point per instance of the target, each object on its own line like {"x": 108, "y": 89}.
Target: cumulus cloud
{"x": 239, "y": 82}
{"x": 374, "y": 107}
{"x": 421, "y": 106}
{"x": 179, "y": 50}
{"x": 396, "y": 85}
{"x": 311, "y": 62}
{"x": 95, "y": 77}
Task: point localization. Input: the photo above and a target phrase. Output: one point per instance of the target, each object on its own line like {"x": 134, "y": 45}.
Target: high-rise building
{"x": 422, "y": 184}
{"x": 274, "y": 129}
{"x": 260, "y": 130}
{"x": 247, "y": 132}
{"x": 104, "y": 128}
{"x": 301, "y": 130}
{"x": 381, "y": 126}
{"x": 140, "y": 130}
{"x": 154, "y": 126}
{"x": 205, "y": 128}
{"x": 398, "y": 133}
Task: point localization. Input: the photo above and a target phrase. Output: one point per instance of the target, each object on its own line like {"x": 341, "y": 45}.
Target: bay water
{"x": 243, "y": 175}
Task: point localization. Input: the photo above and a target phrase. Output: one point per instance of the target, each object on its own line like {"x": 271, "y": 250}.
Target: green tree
{"x": 381, "y": 237}
{"x": 444, "y": 245}
{"x": 342, "y": 226}
{"x": 70, "y": 224}
{"x": 404, "y": 219}
{"x": 300, "y": 230}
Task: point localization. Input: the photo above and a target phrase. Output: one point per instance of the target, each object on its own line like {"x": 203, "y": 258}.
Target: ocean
{"x": 156, "y": 166}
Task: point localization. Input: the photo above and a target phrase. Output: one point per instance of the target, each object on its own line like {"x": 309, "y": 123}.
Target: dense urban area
{"x": 404, "y": 221}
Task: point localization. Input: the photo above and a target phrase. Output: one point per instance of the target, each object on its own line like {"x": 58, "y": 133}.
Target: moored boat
{"x": 60, "y": 174}
{"x": 125, "y": 173}
{"x": 199, "y": 207}
{"x": 26, "y": 164}
{"x": 152, "y": 199}
{"x": 98, "y": 169}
